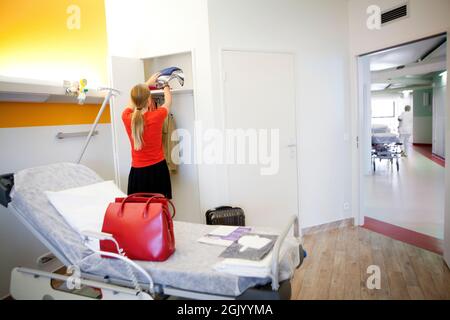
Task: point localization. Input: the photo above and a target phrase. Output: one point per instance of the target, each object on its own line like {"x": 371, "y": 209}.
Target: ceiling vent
{"x": 397, "y": 13}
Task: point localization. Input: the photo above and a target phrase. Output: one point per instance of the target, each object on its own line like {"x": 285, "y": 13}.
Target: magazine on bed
{"x": 254, "y": 247}
{"x": 224, "y": 235}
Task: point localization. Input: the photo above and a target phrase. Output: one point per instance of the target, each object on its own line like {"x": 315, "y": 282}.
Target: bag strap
{"x": 148, "y": 195}
{"x": 151, "y": 196}
{"x": 120, "y": 213}
{"x": 160, "y": 196}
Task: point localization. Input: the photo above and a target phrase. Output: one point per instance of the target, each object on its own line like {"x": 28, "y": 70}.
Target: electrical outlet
{"x": 346, "y": 206}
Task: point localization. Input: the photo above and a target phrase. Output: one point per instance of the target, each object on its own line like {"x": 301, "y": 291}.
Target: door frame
{"x": 223, "y": 110}
{"x": 362, "y": 117}
{"x": 357, "y": 113}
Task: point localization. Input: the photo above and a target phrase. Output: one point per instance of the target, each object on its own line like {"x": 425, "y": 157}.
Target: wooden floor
{"x": 338, "y": 258}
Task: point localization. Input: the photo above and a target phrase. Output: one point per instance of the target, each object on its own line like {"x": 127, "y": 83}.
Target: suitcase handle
{"x": 218, "y": 208}
{"x": 223, "y": 207}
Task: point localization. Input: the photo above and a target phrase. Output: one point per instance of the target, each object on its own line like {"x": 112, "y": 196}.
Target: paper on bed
{"x": 215, "y": 241}
{"x": 223, "y": 231}
{"x": 84, "y": 208}
{"x": 222, "y": 237}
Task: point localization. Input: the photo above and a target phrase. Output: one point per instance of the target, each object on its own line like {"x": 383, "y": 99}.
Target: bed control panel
{"x": 6, "y": 185}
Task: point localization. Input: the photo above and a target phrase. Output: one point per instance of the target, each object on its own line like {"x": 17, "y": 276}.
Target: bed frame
{"x": 40, "y": 284}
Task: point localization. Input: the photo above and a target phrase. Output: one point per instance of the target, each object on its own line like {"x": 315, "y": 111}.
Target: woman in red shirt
{"x": 143, "y": 122}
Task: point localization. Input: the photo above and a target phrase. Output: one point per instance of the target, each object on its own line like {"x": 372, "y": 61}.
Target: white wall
{"x": 439, "y": 118}
{"x": 34, "y": 146}
{"x": 427, "y": 18}
{"x": 423, "y": 130}
{"x": 149, "y": 28}
{"x": 399, "y": 108}
{"x": 317, "y": 33}
{"x": 321, "y": 70}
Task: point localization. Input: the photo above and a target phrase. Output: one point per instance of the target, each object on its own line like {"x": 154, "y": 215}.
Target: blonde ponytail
{"x": 137, "y": 128}
{"x": 139, "y": 96}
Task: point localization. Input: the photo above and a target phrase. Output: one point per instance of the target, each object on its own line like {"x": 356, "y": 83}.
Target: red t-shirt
{"x": 152, "y": 149}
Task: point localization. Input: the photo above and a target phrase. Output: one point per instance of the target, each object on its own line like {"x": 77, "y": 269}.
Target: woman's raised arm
{"x": 152, "y": 80}
{"x": 167, "y": 98}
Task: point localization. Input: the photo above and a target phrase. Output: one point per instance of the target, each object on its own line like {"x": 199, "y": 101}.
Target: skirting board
{"x": 401, "y": 234}
{"x": 329, "y": 226}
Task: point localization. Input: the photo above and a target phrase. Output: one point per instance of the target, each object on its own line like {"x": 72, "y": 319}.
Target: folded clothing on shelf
{"x": 167, "y": 75}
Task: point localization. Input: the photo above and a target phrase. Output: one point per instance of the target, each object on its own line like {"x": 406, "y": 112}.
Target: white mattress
{"x": 385, "y": 138}
{"x": 380, "y": 128}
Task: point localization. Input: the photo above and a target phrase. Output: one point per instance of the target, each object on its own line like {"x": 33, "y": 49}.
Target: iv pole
{"x": 111, "y": 92}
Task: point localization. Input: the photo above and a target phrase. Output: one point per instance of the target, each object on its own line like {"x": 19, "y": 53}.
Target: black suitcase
{"x": 225, "y": 216}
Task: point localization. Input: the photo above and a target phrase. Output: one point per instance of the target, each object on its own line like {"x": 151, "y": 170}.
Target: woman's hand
{"x": 152, "y": 80}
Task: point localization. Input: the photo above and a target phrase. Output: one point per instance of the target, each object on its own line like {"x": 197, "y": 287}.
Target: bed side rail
{"x": 293, "y": 222}
{"x": 6, "y": 185}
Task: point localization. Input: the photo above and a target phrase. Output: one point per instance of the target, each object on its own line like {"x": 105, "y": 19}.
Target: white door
{"x": 259, "y": 94}
{"x": 124, "y": 74}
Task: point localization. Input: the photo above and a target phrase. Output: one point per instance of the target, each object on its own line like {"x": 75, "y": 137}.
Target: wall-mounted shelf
{"x": 174, "y": 91}
{"x": 38, "y": 91}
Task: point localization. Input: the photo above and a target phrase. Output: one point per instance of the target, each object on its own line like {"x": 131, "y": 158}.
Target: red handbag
{"x": 142, "y": 225}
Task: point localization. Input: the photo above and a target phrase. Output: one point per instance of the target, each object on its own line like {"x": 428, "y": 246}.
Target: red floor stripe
{"x": 398, "y": 233}
{"x": 426, "y": 151}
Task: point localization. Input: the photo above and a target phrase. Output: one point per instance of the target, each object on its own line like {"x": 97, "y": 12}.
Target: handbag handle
{"x": 151, "y": 196}
{"x": 143, "y": 194}
{"x": 158, "y": 196}
{"x": 135, "y": 195}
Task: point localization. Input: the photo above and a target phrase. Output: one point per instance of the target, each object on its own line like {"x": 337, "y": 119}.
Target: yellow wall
{"x": 36, "y": 43}
{"x": 15, "y": 114}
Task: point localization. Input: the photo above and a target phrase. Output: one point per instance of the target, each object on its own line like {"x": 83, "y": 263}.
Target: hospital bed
{"x": 188, "y": 273}
{"x": 380, "y": 128}
{"x": 386, "y": 146}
